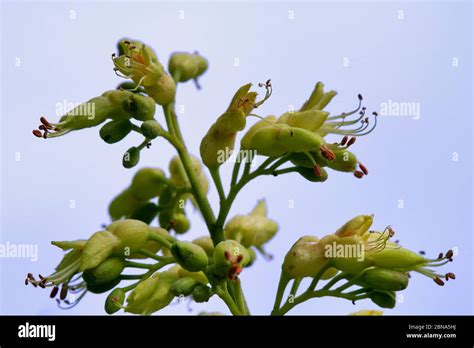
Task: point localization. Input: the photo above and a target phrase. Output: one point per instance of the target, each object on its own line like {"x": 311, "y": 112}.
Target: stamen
{"x": 54, "y": 292}
{"x": 328, "y": 154}
{"x": 363, "y": 169}
{"x": 438, "y": 281}
{"x": 358, "y": 174}
{"x": 37, "y": 133}
{"x": 344, "y": 140}
{"x": 351, "y": 141}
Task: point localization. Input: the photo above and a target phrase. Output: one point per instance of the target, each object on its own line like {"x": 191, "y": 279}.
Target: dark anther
{"x": 227, "y": 255}
{"x": 438, "y": 281}
{"x": 344, "y": 140}
{"x": 358, "y": 174}
{"x": 37, "y": 133}
{"x": 364, "y": 169}
{"x": 422, "y": 252}
{"x": 375, "y": 114}
{"x": 449, "y": 255}
{"x": 359, "y": 96}
{"x": 54, "y": 292}
{"x": 451, "y": 275}
{"x": 63, "y": 294}
{"x": 239, "y": 258}
{"x": 351, "y": 141}
{"x": 440, "y": 256}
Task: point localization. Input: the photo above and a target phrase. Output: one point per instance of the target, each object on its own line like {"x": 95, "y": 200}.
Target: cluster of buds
{"x": 301, "y": 135}
{"x": 364, "y": 257}
{"x": 148, "y": 183}
{"x": 252, "y": 230}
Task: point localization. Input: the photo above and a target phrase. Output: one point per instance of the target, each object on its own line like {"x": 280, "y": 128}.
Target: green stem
{"x": 239, "y": 297}
{"x": 137, "y": 264}
{"x": 283, "y": 282}
{"x": 218, "y": 182}
{"x": 224, "y": 295}
{"x": 160, "y": 239}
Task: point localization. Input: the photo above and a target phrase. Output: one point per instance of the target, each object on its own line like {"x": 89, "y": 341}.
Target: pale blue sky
{"x": 54, "y": 51}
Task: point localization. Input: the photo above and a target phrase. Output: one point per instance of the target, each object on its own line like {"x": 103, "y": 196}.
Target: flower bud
{"x": 181, "y": 223}
{"x": 124, "y": 205}
{"x": 252, "y": 255}
{"x": 152, "y": 294}
{"x": 190, "y": 256}
{"x": 114, "y": 131}
{"x": 101, "y": 288}
{"x": 148, "y": 183}
{"x": 105, "y": 272}
{"x": 141, "y": 107}
{"x": 205, "y": 243}
{"x": 97, "y": 249}
{"x": 310, "y": 120}
{"x": 131, "y": 234}
{"x": 229, "y": 258}
{"x": 358, "y": 225}
{"x": 114, "y": 301}
{"x": 184, "y": 286}
{"x": 305, "y": 258}
{"x": 152, "y": 245}
{"x": 202, "y": 293}
{"x": 345, "y": 161}
{"x": 151, "y": 129}
{"x": 254, "y": 229}
{"x": 384, "y": 299}
{"x": 131, "y": 157}
{"x": 178, "y": 173}
{"x": 187, "y": 66}
{"x": 146, "y": 213}
{"x": 245, "y": 143}
{"x": 398, "y": 258}
{"x": 384, "y": 279}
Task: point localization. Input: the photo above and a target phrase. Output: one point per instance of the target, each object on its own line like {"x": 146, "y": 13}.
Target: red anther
{"x": 37, "y": 133}
{"x": 239, "y": 258}
{"x": 438, "y": 281}
{"x": 451, "y": 275}
{"x": 227, "y": 255}
{"x": 328, "y": 154}
{"x": 45, "y": 122}
{"x": 54, "y": 292}
{"x": 358, "y": 174}
{"x": 351, "y": 141}
{"x": 363, "y": 168}
{"x": 317, "y": 170}
{"x": 344, "y": 140}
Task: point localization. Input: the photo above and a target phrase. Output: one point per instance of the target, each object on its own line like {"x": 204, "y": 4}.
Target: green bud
{"x": 310, "y": 120}
{"x": 184, "y": 286}
{"x": 151, "y": 129}
{"x": 187, "y": 66}
{"x": 148, "y": 183}
{"x": 101, "y": 288}
{"x": 124, "y": 205}
{"x": 356, "y": 226}
{"x": 178, "y": 173}
{"x": 384, "y": 299}
{"x": 200, "y": 277}
{"x": 345, "y": 161}
{"x": 398, "y": 258}
{"x": 190, "y": 256}
{"x": 202, "y": 293}
{"x": 114, "y": 301}
{"x": 254, "y": 229}
{"x": 181, "y": 223}
{"x": 245, "y": 143}
{"x": 105, "y": 272}
{"x": 114, "y": 131}
{"x": 384, "y": 279}
{"x": 131, "y": 157}
{"x": 146, "y": 213}
{"x": 305, "y": 258}
{"x": 205, "y": 243}
{"x": 97, "y": 249}
{"x": 131, "y": 234}
{"x": 141, "y": 107}
{"x": 164, "y": 91}
{"x": 152, "y": 245}
{"x": 152, "y": 294}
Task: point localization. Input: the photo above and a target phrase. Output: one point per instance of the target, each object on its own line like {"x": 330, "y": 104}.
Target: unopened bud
{"x": 114, "y": 301}
{"x": 190, "y": 256}
{"x": 114, "y": 131}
